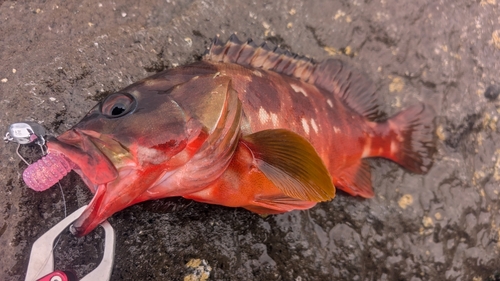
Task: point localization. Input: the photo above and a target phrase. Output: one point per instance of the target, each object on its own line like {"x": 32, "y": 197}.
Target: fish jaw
{"x": 115, "y": 196}
{"x": 107, "y": 168}
{"x": 80, "y": 150}
{"x": 87, "y": 221}
{"x": 117, "y": 175}
{"x": 135, "y": 184}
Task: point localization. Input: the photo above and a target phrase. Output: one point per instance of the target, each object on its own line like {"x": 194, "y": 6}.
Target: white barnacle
{"x": 329, "y": 101}
{"x": 263, "y": 115}
{"x": 305, "y": 126}
{"x": 298, "y": 89}
{"x": 336, "y": 129}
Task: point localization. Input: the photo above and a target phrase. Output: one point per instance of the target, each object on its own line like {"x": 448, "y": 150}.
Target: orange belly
{"x": 243, "y": 185}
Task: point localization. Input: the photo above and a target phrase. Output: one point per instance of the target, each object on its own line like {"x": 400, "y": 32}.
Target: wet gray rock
{"x": 59, "y": 58}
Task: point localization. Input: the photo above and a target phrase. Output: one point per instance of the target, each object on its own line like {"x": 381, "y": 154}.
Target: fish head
{"x": 136, "y": 139}
{"x": 128, "y": 130}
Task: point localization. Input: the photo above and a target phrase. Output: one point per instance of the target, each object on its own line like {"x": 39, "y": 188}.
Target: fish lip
{"x": 93, "y": 166}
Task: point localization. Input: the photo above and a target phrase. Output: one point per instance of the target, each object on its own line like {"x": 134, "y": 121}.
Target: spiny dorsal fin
{"x": 332, "y": 75}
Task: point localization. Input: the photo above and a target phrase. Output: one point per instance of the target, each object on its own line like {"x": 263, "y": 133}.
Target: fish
{"x": 250, "y": 126}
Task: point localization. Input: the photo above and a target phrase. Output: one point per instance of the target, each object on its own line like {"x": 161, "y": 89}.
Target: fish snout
{"x": 88, "y": 158}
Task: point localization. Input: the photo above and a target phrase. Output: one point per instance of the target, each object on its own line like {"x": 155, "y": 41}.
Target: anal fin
{"x": 356, "y": 180}
{"x": 278, "y": 204}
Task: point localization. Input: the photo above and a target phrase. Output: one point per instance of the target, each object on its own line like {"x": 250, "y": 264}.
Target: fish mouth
{"x": 81, "y": 148}
{"x": 104, "y": 164}
{"x": 110, "y": 170}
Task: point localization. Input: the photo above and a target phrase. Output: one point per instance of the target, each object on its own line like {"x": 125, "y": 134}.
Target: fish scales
{"x": 271, "y": 100}
{"x": 248, "y": 126}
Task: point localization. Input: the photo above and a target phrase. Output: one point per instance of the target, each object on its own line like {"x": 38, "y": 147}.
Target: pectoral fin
{"x": 291, "y": 163}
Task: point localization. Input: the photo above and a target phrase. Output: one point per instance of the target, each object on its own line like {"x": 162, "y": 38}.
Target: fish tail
{"x": 408, "y": 138}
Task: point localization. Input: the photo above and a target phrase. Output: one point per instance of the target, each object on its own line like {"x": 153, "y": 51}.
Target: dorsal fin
{"x": 332, "y": 75}
{"x": 349, "y": 84}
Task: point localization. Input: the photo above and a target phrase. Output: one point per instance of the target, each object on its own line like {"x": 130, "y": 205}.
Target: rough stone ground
{"x": 59, "y": 57}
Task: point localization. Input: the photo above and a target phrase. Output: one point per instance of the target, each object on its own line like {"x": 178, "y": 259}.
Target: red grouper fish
{"x": 248, "y": 126}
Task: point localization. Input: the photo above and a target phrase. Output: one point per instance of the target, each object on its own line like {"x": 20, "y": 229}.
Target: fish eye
{"x": 118, "y": 105}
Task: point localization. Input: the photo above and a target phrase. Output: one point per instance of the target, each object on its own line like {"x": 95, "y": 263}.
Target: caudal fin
{"x": 413, "y": 146}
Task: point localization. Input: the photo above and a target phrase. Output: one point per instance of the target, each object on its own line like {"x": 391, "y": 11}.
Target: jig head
{"x": 26, "y": 133}
{"x": 47, "y": 171}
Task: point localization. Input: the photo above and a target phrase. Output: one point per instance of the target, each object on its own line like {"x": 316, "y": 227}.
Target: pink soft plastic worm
{"x": 47, "y": 171}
